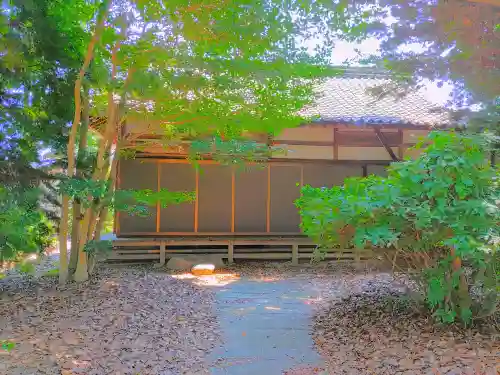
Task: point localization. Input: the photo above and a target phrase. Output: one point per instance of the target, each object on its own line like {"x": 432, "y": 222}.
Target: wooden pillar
{"x": 230, "y": 252}
{"x": 233, "y": 197}
{"x": 335, "y": 145}
{"x": 196, "y": 204}
{"x": 268, "y": 201}
{"x": 400, "y": 146}
{"x": 162, "y": 253}
{"x": 158, "y": 188}
{"x": 116, "y": 224}
{"x": 295, "y": 254}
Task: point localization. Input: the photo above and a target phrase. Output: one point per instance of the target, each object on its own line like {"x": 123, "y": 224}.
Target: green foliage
{"x": 108, "y": 223}
{"x": 205, "y": 69}
{"x": 442, "y": 207}
{"x": 97, "y": 194}
{"x": 23, "y": 227}
{"x": 26, "y": 268}
{"x": 98, "y": 247}
{"x": 52, "y": 273}
{"x": 233, "y": 151}
{"x": 7, "y": 345}
{"x": 456, "y": 43}
{"x": 150, "y": 198}
{"x": 43, "y": 43}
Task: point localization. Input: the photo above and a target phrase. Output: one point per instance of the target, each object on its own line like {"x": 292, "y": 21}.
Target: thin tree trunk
{"x": 463, "y": 288}
{"x": 81, "y": 272}
{"x": 63, "y": 233}
{"x": 63, "y": 238}
{"x": 95, "y": 234}
{"x": 77, "y": 210}
{"x": 104, "y": 160}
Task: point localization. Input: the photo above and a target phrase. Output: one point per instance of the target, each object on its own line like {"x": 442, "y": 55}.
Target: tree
{"x": 194, "y": 70}
{"x": 456, "y": 41}
{"x": 40, "y": 53}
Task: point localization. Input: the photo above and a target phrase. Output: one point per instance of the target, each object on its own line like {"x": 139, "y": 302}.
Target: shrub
{"x": 24, "y": 228}
{"x": 440, "y": 213}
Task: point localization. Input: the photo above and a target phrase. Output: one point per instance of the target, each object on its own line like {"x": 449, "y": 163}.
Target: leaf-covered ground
{"x": 138, "y": 320}
{"x": 378, "y": 332}
{"x": 124, "y": 321}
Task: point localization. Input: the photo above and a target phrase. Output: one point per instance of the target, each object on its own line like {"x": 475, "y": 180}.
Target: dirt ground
{"x": 123, "y": 321}
{"x": 141, "y": 320}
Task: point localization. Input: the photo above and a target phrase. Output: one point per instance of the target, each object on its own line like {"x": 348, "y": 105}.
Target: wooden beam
{"x": 268, "y": 201}
{"x": 363, "y": 138}
{"x": 489, "y": 2}
{"x": 196, "y": 203}
{"x": 274, "y": 161}
{"x": 296, "y": 142}
{"x": 158, "y": 188}
{"x": 382, "y": 140}
{"x": 154, "y": 235}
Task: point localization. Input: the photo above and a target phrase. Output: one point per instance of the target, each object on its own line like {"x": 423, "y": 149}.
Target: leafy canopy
{"x": 446, "y": 41}
{"x": 218, "y": 67}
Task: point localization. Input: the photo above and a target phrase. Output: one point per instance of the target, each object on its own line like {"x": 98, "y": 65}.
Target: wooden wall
{"x": 259, "y": 199}
{"x": 254, "y": 199}
{"x": 346, "y": 143}
{"x": 138, "y": 174}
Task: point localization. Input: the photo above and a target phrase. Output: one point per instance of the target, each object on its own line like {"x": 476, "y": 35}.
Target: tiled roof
{"x": 346, "y": 99}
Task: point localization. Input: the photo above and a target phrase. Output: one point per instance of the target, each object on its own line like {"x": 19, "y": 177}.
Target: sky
{"x": 347, "y": 51}
{"x": 344, "y": 51}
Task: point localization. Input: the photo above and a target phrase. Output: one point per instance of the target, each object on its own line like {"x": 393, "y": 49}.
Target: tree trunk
{"x": 463, "y": 288}
{"x": 81, "y": 272}
{"x": 82, "y": 145}
{"x": 63, "y": 233}
{"x": 63, "y": 238}
{"x": 92, "y": 260}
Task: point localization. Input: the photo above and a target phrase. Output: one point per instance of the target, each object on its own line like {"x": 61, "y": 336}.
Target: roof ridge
{"x": 363, "y": 72}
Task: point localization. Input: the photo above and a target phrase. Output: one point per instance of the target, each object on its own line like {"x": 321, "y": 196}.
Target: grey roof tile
{"x": 346, "y": 99}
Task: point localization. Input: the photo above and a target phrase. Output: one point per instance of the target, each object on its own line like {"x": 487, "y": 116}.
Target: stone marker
{"x": 202, "y": 269}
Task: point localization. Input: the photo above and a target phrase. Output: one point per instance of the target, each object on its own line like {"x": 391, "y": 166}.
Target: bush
{"x": 440, "y": 213}
{"x": 24, "y": 228}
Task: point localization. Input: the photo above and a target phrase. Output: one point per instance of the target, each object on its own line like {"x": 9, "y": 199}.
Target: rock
{"x": 186, "y": 262}
{"x": 180, "y": 264}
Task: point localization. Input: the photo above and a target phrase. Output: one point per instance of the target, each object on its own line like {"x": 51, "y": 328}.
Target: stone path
{"x": 265, "y": 328}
